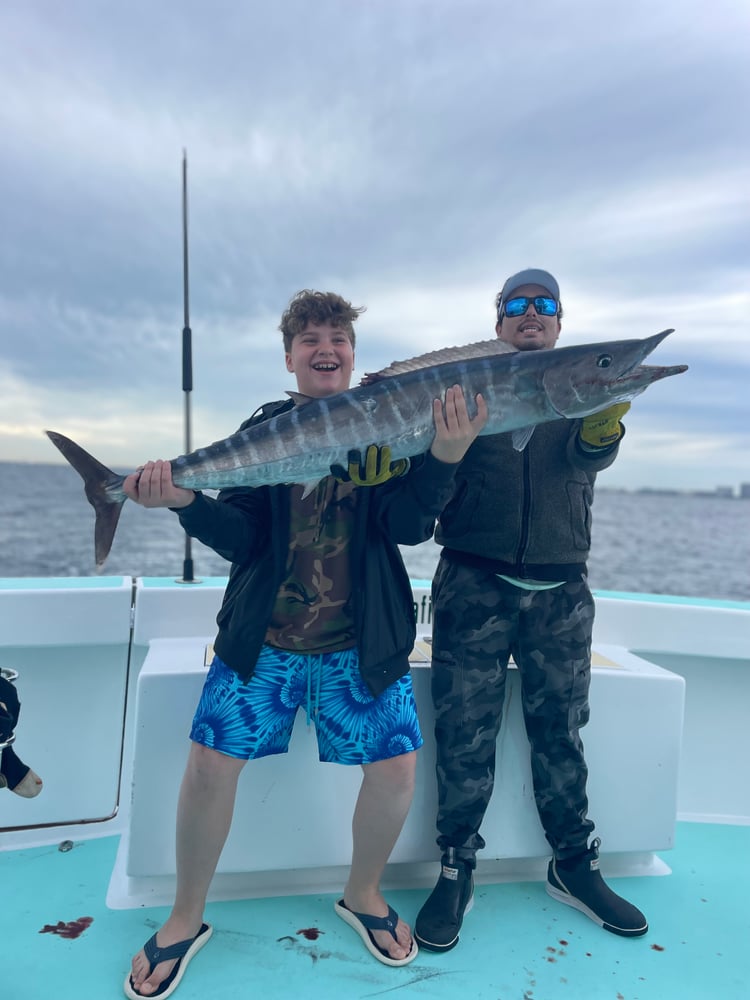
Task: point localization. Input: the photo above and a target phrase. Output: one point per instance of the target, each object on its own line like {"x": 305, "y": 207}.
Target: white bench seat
{"x": 292, "y": 824}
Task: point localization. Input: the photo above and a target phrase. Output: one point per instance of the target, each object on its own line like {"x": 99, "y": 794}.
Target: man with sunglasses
{"x": 512, "y": 580}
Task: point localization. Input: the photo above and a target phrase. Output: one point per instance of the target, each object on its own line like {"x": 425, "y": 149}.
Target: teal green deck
{"x": 517, "y": 943}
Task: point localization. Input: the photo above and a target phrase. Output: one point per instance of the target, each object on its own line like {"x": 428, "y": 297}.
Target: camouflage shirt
{"x": 313, "y": 608}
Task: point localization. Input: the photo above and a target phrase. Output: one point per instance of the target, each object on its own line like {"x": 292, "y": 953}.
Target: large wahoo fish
{"x": 394, "y": 407}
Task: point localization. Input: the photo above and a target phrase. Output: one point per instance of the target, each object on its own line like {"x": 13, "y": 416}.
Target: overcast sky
{"x": 409, "y": 155}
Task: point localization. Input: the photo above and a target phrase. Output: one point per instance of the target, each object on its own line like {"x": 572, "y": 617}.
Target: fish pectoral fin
{"x": 521, "y": 437}
{"x": 309, "y": 487}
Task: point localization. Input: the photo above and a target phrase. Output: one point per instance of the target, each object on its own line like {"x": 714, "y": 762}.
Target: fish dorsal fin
{"x": 480, "y": 349}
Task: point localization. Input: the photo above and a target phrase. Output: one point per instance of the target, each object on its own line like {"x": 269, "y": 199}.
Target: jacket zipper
{"x": 525, "y": 511}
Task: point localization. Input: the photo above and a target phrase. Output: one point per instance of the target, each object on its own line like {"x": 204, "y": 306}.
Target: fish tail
{"x": 103, "y": 491}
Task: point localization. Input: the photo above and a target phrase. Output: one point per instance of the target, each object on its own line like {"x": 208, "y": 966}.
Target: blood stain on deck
{"x": 311, "y": 933}
{"x": 70, "y": 930}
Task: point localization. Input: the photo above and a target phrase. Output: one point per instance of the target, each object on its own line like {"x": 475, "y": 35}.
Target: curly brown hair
{"x": 309, "y": 306}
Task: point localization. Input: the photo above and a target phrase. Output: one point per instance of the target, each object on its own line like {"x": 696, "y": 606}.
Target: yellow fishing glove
{"x": 603, "y": 429}
{"x": 377, "y": 467}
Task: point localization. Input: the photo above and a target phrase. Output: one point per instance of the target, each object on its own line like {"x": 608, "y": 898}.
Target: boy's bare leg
{"x": 381, "y": 810}
{"x": 204, "y": 816}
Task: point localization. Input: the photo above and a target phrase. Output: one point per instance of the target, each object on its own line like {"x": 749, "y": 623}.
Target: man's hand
{"x": 377, "y": 467}
{"x": 151, "y": 486}
{"x": 603, "y": 429}
{"x": 454, "y": 430}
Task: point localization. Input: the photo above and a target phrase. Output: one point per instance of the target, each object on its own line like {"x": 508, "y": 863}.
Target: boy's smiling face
{"x": 322, "y": 358}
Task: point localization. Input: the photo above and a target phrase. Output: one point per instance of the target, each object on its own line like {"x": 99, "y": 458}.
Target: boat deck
{"x": 516, "y": 944}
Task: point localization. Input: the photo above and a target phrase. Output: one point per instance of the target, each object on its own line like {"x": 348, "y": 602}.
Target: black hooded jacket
{"x": 250, "y": 528}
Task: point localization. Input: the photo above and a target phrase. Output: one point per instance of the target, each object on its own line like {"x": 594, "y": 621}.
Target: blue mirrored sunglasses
{"x": 543, "y": 305}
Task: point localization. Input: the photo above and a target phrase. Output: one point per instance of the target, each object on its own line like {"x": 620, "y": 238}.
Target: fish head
{"x": 592, "y": 378}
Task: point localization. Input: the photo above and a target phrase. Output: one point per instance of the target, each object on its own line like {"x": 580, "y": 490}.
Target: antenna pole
{"x": 187, "y": 357}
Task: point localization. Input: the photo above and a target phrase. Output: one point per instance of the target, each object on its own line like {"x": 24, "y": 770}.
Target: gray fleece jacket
{"x": 525, "y": 514}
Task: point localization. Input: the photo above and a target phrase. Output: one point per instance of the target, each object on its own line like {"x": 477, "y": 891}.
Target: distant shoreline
{"x": 720, "y": 493}
{"x": 740, "y": 492}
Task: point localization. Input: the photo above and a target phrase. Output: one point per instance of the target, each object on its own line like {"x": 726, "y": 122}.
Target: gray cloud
{"x": 408, "y": 154}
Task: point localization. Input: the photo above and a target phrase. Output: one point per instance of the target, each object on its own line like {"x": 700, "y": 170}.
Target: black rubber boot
{"x": 578, "y": 882}
{"x": 440, "y": 919}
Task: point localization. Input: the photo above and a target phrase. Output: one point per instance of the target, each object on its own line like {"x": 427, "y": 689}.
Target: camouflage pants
{"x": 479, "y": 620}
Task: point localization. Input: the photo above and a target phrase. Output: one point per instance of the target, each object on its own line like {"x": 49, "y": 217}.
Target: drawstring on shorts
{"x": 311, "y": 708}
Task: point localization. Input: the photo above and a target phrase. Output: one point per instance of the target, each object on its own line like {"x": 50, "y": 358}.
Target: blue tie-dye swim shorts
{"x": 255, "y": 719}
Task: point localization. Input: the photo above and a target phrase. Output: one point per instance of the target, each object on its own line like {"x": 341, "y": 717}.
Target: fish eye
{"x": 604, "y": 361}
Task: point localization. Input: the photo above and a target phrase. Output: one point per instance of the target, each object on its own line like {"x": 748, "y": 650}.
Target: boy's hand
{"x": 151, "y": 486}
{"x": 377, "y": 467}
{"x": 600, "y": 430}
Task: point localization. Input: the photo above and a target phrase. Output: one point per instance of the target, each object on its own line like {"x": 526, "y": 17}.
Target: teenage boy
{"x": 318, "y": 600}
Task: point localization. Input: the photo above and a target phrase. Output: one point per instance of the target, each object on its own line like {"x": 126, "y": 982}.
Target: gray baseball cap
{"x": 531, "y": 276}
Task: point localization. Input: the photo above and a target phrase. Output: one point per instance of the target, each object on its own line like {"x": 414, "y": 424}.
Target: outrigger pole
{"x": 187, "y": 358}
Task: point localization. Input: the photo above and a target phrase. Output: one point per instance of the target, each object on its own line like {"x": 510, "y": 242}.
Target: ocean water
{"x": 681, "y": 544}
